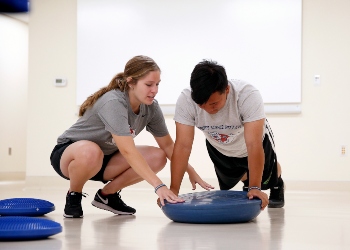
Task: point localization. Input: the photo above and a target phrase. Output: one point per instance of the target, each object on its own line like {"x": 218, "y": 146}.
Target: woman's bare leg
{"x": 122, "y": 175}
{"x": 81, "y": 161}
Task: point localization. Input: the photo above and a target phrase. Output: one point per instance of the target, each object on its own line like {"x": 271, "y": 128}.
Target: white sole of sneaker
{"x": 108, "y": 208}
{"x": 71, "y": 216}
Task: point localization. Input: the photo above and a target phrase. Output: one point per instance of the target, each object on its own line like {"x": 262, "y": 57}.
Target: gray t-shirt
{"x": 224, "y": 130}
{"x": 112, "y": 114}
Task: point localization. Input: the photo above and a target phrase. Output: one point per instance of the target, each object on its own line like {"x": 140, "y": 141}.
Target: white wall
{"x": 52, "y": 53}
{"x": 13, "y": 96}
{"x": 308, "y": 144}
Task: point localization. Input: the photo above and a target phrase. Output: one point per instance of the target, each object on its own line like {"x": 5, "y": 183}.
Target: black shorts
{"x": 56, "y": 159}
{"x": 230, "y": 170}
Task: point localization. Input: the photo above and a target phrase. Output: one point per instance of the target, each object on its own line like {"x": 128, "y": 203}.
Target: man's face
{"x": 215, "y": 102}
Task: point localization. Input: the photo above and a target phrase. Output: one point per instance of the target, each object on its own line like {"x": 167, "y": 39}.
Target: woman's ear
{"x": 129, "y": 79}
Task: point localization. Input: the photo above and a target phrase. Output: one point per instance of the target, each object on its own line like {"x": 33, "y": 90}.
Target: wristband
{"x": 158, "y": 187}
{"x": 254, "y": 187}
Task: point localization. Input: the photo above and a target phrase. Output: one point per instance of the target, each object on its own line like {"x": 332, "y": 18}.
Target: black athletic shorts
{"x": 56, "y": 159}
{"x": 230, "y": 170}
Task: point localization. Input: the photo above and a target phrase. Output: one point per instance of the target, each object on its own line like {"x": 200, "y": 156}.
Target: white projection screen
{"x": 258, "y": 41}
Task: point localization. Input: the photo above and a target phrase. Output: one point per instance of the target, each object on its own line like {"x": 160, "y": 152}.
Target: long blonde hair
{"x": 135, "y": 68}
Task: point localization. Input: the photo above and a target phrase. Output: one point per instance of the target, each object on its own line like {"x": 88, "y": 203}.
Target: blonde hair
{"x": 135, "y": 68}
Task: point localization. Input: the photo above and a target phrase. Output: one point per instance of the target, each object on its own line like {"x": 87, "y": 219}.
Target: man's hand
{"x": 255, "y": 193}
{"x": 195, "y": 178}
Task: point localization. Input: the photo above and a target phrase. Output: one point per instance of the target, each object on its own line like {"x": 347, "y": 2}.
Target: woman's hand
{"x": 166, "y": 194}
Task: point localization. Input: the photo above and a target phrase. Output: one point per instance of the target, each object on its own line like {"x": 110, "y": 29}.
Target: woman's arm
{"x": 129, "y": 151}
{"x": 166, "y": 143}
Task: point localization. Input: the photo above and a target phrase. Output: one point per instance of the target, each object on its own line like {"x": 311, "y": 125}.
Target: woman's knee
{"x": 90, "y": 155}
{"x": 84, "y": 154}
{"x": 156, "y": 158}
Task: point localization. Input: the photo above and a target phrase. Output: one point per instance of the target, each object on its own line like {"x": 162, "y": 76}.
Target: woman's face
{"x": 145, "y": 90}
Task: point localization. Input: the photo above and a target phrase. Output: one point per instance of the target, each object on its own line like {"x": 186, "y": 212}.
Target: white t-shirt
{"x": 224, "y": 130}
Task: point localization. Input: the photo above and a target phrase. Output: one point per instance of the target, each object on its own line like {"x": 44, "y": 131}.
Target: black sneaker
{"x": 112, "y": 203}
{"x": 73, "y": 207}
{"x": 276, "y": 199}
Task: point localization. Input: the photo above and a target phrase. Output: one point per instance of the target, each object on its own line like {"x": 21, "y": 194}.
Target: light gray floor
{"x": 318, "y": 219}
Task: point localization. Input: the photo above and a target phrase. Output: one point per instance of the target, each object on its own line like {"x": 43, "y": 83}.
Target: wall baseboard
{"x": 12, "y": 176}
{"x": 57, "y": 181}
{"x": 291, "y": 185}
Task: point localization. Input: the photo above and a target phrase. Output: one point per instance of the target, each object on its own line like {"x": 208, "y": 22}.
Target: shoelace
{"x": 82, "y": 194}
{"x": 119, "y": 196}
{"x": 76, "y": 198}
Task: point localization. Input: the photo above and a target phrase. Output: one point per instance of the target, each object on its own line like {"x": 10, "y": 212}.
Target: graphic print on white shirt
{"x": 221, "y": 138}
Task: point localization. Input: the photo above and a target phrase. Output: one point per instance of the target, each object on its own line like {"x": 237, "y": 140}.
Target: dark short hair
{"x": 207, "y": 78}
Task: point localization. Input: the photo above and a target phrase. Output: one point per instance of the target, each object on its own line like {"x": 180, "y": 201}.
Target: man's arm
{"x": 253, "y": 134}
{"x": 181, "y": 155}
{"x": 167, "y": 145}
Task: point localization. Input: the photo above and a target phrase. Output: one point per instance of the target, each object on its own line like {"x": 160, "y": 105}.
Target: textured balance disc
{"x": 25, "y": 207}
{"x": 222, "y": 206}
{"x": 27, "y": 228}
{"x": 14, "y": 6}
